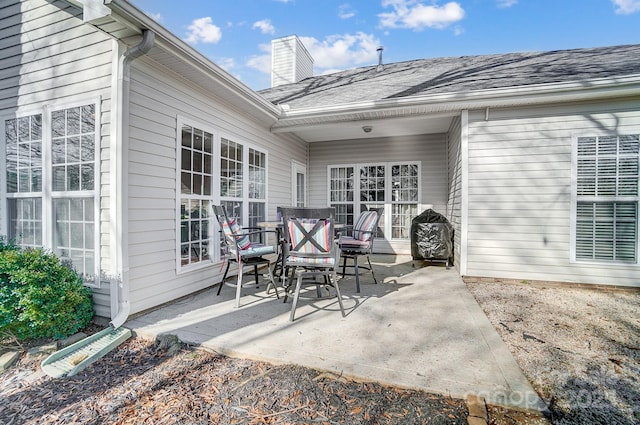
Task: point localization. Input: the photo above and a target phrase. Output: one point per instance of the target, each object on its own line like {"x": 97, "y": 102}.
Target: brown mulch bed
{"x": 167, "y": 382}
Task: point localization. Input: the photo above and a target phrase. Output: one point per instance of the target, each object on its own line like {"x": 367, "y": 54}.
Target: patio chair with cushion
{"x": 240, "y": 249}
{"x": 359, "y": 243}
{"x": 310, "y": 250}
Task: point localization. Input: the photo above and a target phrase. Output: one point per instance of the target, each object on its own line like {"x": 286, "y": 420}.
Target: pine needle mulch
{"x": 143, "y": 382}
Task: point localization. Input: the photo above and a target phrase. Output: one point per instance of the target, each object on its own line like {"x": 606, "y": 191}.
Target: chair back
{"x": 231, "y": 232}
{"x": 309, "y": 237}
{"x": 366, "y": 226}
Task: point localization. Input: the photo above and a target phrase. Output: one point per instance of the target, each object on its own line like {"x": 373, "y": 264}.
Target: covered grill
{"x": 432, "y": 237}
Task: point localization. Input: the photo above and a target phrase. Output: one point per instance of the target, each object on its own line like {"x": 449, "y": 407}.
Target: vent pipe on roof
{"x": 380, "y": 66}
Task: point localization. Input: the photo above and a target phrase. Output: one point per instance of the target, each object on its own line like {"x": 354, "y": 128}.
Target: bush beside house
{"x": 40, "y": 297}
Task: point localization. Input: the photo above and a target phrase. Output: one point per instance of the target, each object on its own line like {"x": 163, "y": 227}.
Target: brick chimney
{"x": 290, "y": 61}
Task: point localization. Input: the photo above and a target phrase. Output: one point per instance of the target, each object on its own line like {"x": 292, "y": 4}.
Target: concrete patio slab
{"x": 420, "y": 328}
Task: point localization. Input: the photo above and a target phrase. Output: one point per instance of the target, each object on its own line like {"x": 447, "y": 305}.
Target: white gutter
{"x": 119, "y": 176}
{"x": 447, "y": 102}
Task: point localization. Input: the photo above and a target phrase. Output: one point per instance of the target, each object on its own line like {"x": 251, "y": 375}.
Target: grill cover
{"x": 431, "y": 237}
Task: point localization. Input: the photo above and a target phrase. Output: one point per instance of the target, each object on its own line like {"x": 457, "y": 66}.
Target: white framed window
{"x": 196, "y": 183}
{"x": 23, "y": 157}
{"x": 394, "y": 186}
{"x": 342, "y": 192}
{"x": 257, "y": 203}
{"x": 216, "y": 169}
{"x": 298, "y": 184}
{"x": 606, "y": 196}
{"x": 52, "y": 182}
{"x": 405, "y": 182}
{"x": 243, "y": 181}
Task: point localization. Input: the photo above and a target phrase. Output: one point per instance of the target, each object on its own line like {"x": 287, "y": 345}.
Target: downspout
{"x": 119, "y": 170}
{"x": 464, "y": 207}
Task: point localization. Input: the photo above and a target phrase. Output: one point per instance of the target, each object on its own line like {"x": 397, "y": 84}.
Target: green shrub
{"x": 39, "y": 296}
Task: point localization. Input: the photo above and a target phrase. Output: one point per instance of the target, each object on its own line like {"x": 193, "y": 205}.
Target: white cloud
{"x": 415, "y": 15}
{"x": 342, "y": 51}
{"x": 345, "y": 11}
{"x": 264, "y": 26}
{"x": 203, "y": 30}
{"x": 262, "y": 62}
{"x": 626, "y": 7}
{"x": 503, "y": 4}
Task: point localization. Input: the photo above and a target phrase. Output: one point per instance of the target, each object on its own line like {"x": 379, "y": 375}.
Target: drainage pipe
{"x": 119, "y": 217}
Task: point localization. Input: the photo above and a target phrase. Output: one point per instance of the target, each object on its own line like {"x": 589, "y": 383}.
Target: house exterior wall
{"x": 520, "y": 191}
{"x": 430, "y": 150}
{"x": 454, "y": 178}
{"x": 49, "y": 57}
{"x": 158, "y": 97}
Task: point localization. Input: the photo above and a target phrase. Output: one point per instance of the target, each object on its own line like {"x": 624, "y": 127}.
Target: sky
{"x": 343, "y": 34}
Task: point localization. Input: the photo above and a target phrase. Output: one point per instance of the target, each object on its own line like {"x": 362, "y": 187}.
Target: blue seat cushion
{"x": 256, "y": 250}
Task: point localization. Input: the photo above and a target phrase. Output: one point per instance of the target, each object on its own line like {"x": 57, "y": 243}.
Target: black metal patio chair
{"x": 310, "y": 250}
{"x": 358, "y": 242}
{"x": 239, "y": 249}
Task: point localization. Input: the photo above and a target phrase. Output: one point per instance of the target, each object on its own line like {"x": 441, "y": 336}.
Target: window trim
{"x": 47, "y": 194}
{"x": 575, "y": 199}
{"x": 215, "y": 197}
{"x": 214, "y": 247}
{"x": 388, "y": 203}
{"x": 4, "y": 194}
{"x": 298, "y": 167}
{"x": 246, "y": 146}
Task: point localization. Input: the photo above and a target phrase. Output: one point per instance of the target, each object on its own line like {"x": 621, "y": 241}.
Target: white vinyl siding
{"x": 607, "y": 182}
{"x": 158, "y": 96}
{"x": 520, "y": 191}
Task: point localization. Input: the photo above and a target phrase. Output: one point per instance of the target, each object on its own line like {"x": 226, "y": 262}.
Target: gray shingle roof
{"x": 457, "y": 74}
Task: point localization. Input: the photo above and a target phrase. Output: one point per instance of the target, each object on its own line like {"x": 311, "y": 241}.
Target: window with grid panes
{"x": 404, "y": 198}
{"x": 257, "y": 186}
{"x": 378, "y": 184}
{"x": 23, "y": 148}
{"x": 341, "y": 193}
{"x": 68, "y": 191}
{"x": 196, "y": 177}
{"x": 607, "y": 195}
{"x": 242, "y": 166}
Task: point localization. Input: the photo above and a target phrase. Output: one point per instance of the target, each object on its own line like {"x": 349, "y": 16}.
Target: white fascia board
{"x": 134, "y": 18}
{"x": 457, "y": 101}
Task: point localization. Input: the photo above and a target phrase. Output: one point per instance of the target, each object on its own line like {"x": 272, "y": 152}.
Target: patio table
{"x": 278, "y": 268}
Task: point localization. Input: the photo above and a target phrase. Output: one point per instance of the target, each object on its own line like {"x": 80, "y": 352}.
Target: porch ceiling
{"x": 352, "y": 127}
